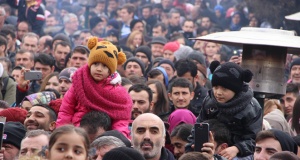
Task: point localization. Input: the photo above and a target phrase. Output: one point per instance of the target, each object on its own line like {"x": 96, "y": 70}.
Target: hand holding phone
{"x": 201, "y": 135}
{"x": 33, "y": 75}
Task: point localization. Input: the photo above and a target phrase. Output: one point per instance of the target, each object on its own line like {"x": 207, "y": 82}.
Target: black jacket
{"x": 196, "y": 102}
{"x": 166, "y": 154}
{"x": 243, "y": 125}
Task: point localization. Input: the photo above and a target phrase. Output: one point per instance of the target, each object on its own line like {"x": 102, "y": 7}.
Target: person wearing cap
{"x": 134, "y": 66}
{"x": 96, "y": 26}
{"x": 273, "y": 141}
{"x": 13, "y": 134}
{"x": 168, "y": 66}
{"x": 79, "y": 56}
{"x": 295, "y": 71}
{"x": 113, "y": 36}
{"x": 145, "y": 55}
{"x": 169, "y": 50}
{"x": 37, "y": 98}
{"x": 157, "y": 46}
{"x": 65, "y": 79}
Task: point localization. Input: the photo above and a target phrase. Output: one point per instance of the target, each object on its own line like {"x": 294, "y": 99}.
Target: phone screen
{"x": 201, "y": 135}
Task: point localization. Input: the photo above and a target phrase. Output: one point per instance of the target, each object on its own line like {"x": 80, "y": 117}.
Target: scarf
{"x": 101, "y": 96}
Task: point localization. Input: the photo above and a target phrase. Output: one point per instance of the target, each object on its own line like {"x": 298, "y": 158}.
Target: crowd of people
{"x": 123, "y": 80}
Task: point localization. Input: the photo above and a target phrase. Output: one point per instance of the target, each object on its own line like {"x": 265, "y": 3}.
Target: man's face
{"x": 10, "y": 42}
{"x": 83, "y": 37}
{"x": 32, "y": 145}
{"x": 98, "y": 28}
{"x": 148, "y": 136}
{"x": 60, "y": 54}
{"x": 112, "y": 5}
{"x": 78, "y": 59}
{"x": 30, "y": 44}
{"x": 175, "y": 19}
{"x": 72, "y": 25}
{"x": 133, "y": 68}
{"x": 24, "y": 60}
{"x": 205, "y": 22}
{"x": 21, "y": 30}
{"x": 38, "y": 118}
{"x": 169, "y": 55}
{"x": 188, "y": 26}
{"x": 265, "y": 148}
{"x": 16, "y": 73}
{"x": 179, "y": 146}
{"x": 181, "y": 97}
{"x": 140, "y": 102}
{"x": 146, "y": 12}
{"x": 295, "y": 74}
{"x": 11, "y": 152}
{"x": 51, "y": 21}
{"x": 289, "y": 101}
{"x": 64, "y": 86}
{"x": 168, "y": 69}
{"x": 157, "y": 32}
{"x": 126, "y": 17}
{"x": 157, "y": 50}
{"x": 143, "y": 57}
{"x": 45, "y": 69}
{"x": 138, "y": 27}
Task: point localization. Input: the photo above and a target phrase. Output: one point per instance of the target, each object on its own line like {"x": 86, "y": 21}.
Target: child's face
{"x": 222, "y": 94}
{"x": 99, "y": 71}
{"x": 68, "y": 146}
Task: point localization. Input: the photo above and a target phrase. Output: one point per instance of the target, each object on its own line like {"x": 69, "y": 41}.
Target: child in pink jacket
{"x": 92, "y": 89}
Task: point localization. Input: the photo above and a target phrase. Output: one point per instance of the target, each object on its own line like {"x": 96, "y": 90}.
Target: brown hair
{"x": 162, "y": 104}
{"x": 45, "y": 81}
{"x": 269, "y": 104}
{"x": 264, "y": 135}
{"x": 129, "y": 42}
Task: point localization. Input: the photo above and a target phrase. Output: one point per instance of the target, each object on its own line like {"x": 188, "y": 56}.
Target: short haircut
{"x": 223, "y": 56}
{"x": 62, "y": 43}
{"x": 148, "y": 6}
{"x": 29, "y": 26}
{"x": 172, "y": 11}
{"x": 182, "y": 131}
{"x": 8, "y": 31}
{"x": 8, "y": 63}
{"x": 129, "y": 7}
{"x": 95, "y": 119}
{"x": 188, "y": 20}
{"x": 142, "y": 87}
{"x": 184, "y": 66}
{"x": 4, "y": 104}
{"x": 125, "y": 81}
{"x": 194, "y": 156}
{"x": 154, "y": 73}
{"x": 68, "y": 17}
{"x": 81, "y": 49}
{"x": 3, "y": 41}
{"x": 162, "y": 25}
{"x": 52, "y": 113}
{"x": 23, "y": 51}
{"x": 220, "y": 132}
{"x": 107, "y": 141}
{"x": 31, "y": 35}
{"x": 61, "y": 37}
{"x": 180, "y": 82}
{"x": 35, "y": 133}
{"x": 292, "y": 88}
{"x": 45, "y": 59}
{"x": 264, "y": 135}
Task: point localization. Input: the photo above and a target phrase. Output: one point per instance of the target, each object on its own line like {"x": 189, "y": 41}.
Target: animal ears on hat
{"x": 247, "y": 75}
{"x": 92, "y": 42}
{"x": 121, "y": 58}
{"x": 213, "y": 66}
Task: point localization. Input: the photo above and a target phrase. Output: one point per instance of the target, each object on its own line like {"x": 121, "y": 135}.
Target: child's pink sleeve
{"x": 67, "y": 108}
{"x": 122, "y": 126}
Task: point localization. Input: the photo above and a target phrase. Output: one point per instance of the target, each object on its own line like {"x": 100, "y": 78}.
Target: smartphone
{"x": 2, "y": 123}
{"x": 201, "y": 135}
{"x": 33, "y": 75}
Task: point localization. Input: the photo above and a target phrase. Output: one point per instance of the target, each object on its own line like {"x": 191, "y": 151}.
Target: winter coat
{"x": 85, "y": 95}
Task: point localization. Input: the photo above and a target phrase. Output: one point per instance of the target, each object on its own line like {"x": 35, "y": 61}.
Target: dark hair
{"x": 24, "y": 51}
{"x": 62, "y": 43}
{"x": 4, "y": 104}
{"x": 292, "y": 88}
{"x": 7, "y": 61}
{"x": 147, "y": 6}
{"x": 52, "y": 113}
{"x": 162, "y": 25}
{"x": 7, "y": 32}
{"x": 95, "y": 119}
{"x": 264, "y": 135}
{"x": 182, "y": 131}
{"x": 61, "y": 37}
{"x": 194, "y": 156}
{"x": 57, "y": 94}
{"x": 29, "y": 26}
{"x": 142, "y": 87}
{"x": 3, "y": 41}
{"x": 188, "y": 20}
{"x": 183, "y": 66}
{"x": 220, "y": 132}
{"x": 296, "y": 115}
{"x": 48, "y": 43}
{"x": 162, "y": 104}
{"x": 129, "y": 7}
{"x": 125, "y": 81}
{"x": 180, "y": 82}
{"x": 44, "y": 59}
{"x": 223, "y": 56}
{"x": 69, "y": 129}
{"x": 154, "y": 73}
{"x": 81, "y": 49}
{"x": 136, "y": 79}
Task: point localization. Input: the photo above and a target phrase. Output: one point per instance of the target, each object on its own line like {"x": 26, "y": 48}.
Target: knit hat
{"x": 117, "y": 134}
{"x": 123, "y": 153}
{"x": 166, "y": 61}
{"x": 94, "y": 21}
{"x": 183, "y": 52}
{"x": 14, "y": 132}
{"x": 67, "y": 73}
{"x": 229, "y": 75}
{"x": 146, "y": 50}
{"x": 159, "y": 40}
{"x": 114, "y": 23}
{"x": 14, "y": 114}
{"x": 286, "y": 141}
{"x": 41, "y": 97}
{"x": 284, "y": 155}
{"x": 172, "y": 46}
{"x": 296, "y": 61}
{"x": 106, "y": 53}
{"x": 138, "y": 61}
{"x": 55, "y": 105}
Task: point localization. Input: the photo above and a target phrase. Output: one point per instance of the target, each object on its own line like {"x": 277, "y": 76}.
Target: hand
{"x": 1, "y": 153}
{"x": 209, "y": 147}
{"x": 236, "y": 59}
{"x": 230, "y": 152}
{"x": 22, "y": 82}
{"x": 117, "y": 79}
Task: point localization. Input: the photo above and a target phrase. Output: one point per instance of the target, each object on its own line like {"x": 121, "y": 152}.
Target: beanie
{"x": 284, "y": 155}
{"x": 67, "y": 73}
{"x": 114, "y": 23}
{"x": 123, "y": 153}
{"x": 119, "y": 135}
{"x": 106, "y": 53}
{"x": 166, "y": 61}
{"x": 138, "y": 61}
{"x": 14, "y": 132}
{"x": 94, "y": 21}
{"x": 134, "y": 22}
{"x": 172, "y": 46}
{"x": 183, "y": 52}
{"x": 296, "y": 61}
{"x": 146, "y": 50}
{"x": 286, "y": 141}
{"x": 55, "y": 105}
{"x": 229, "y": 75}
{"x": 14, "y": 114}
